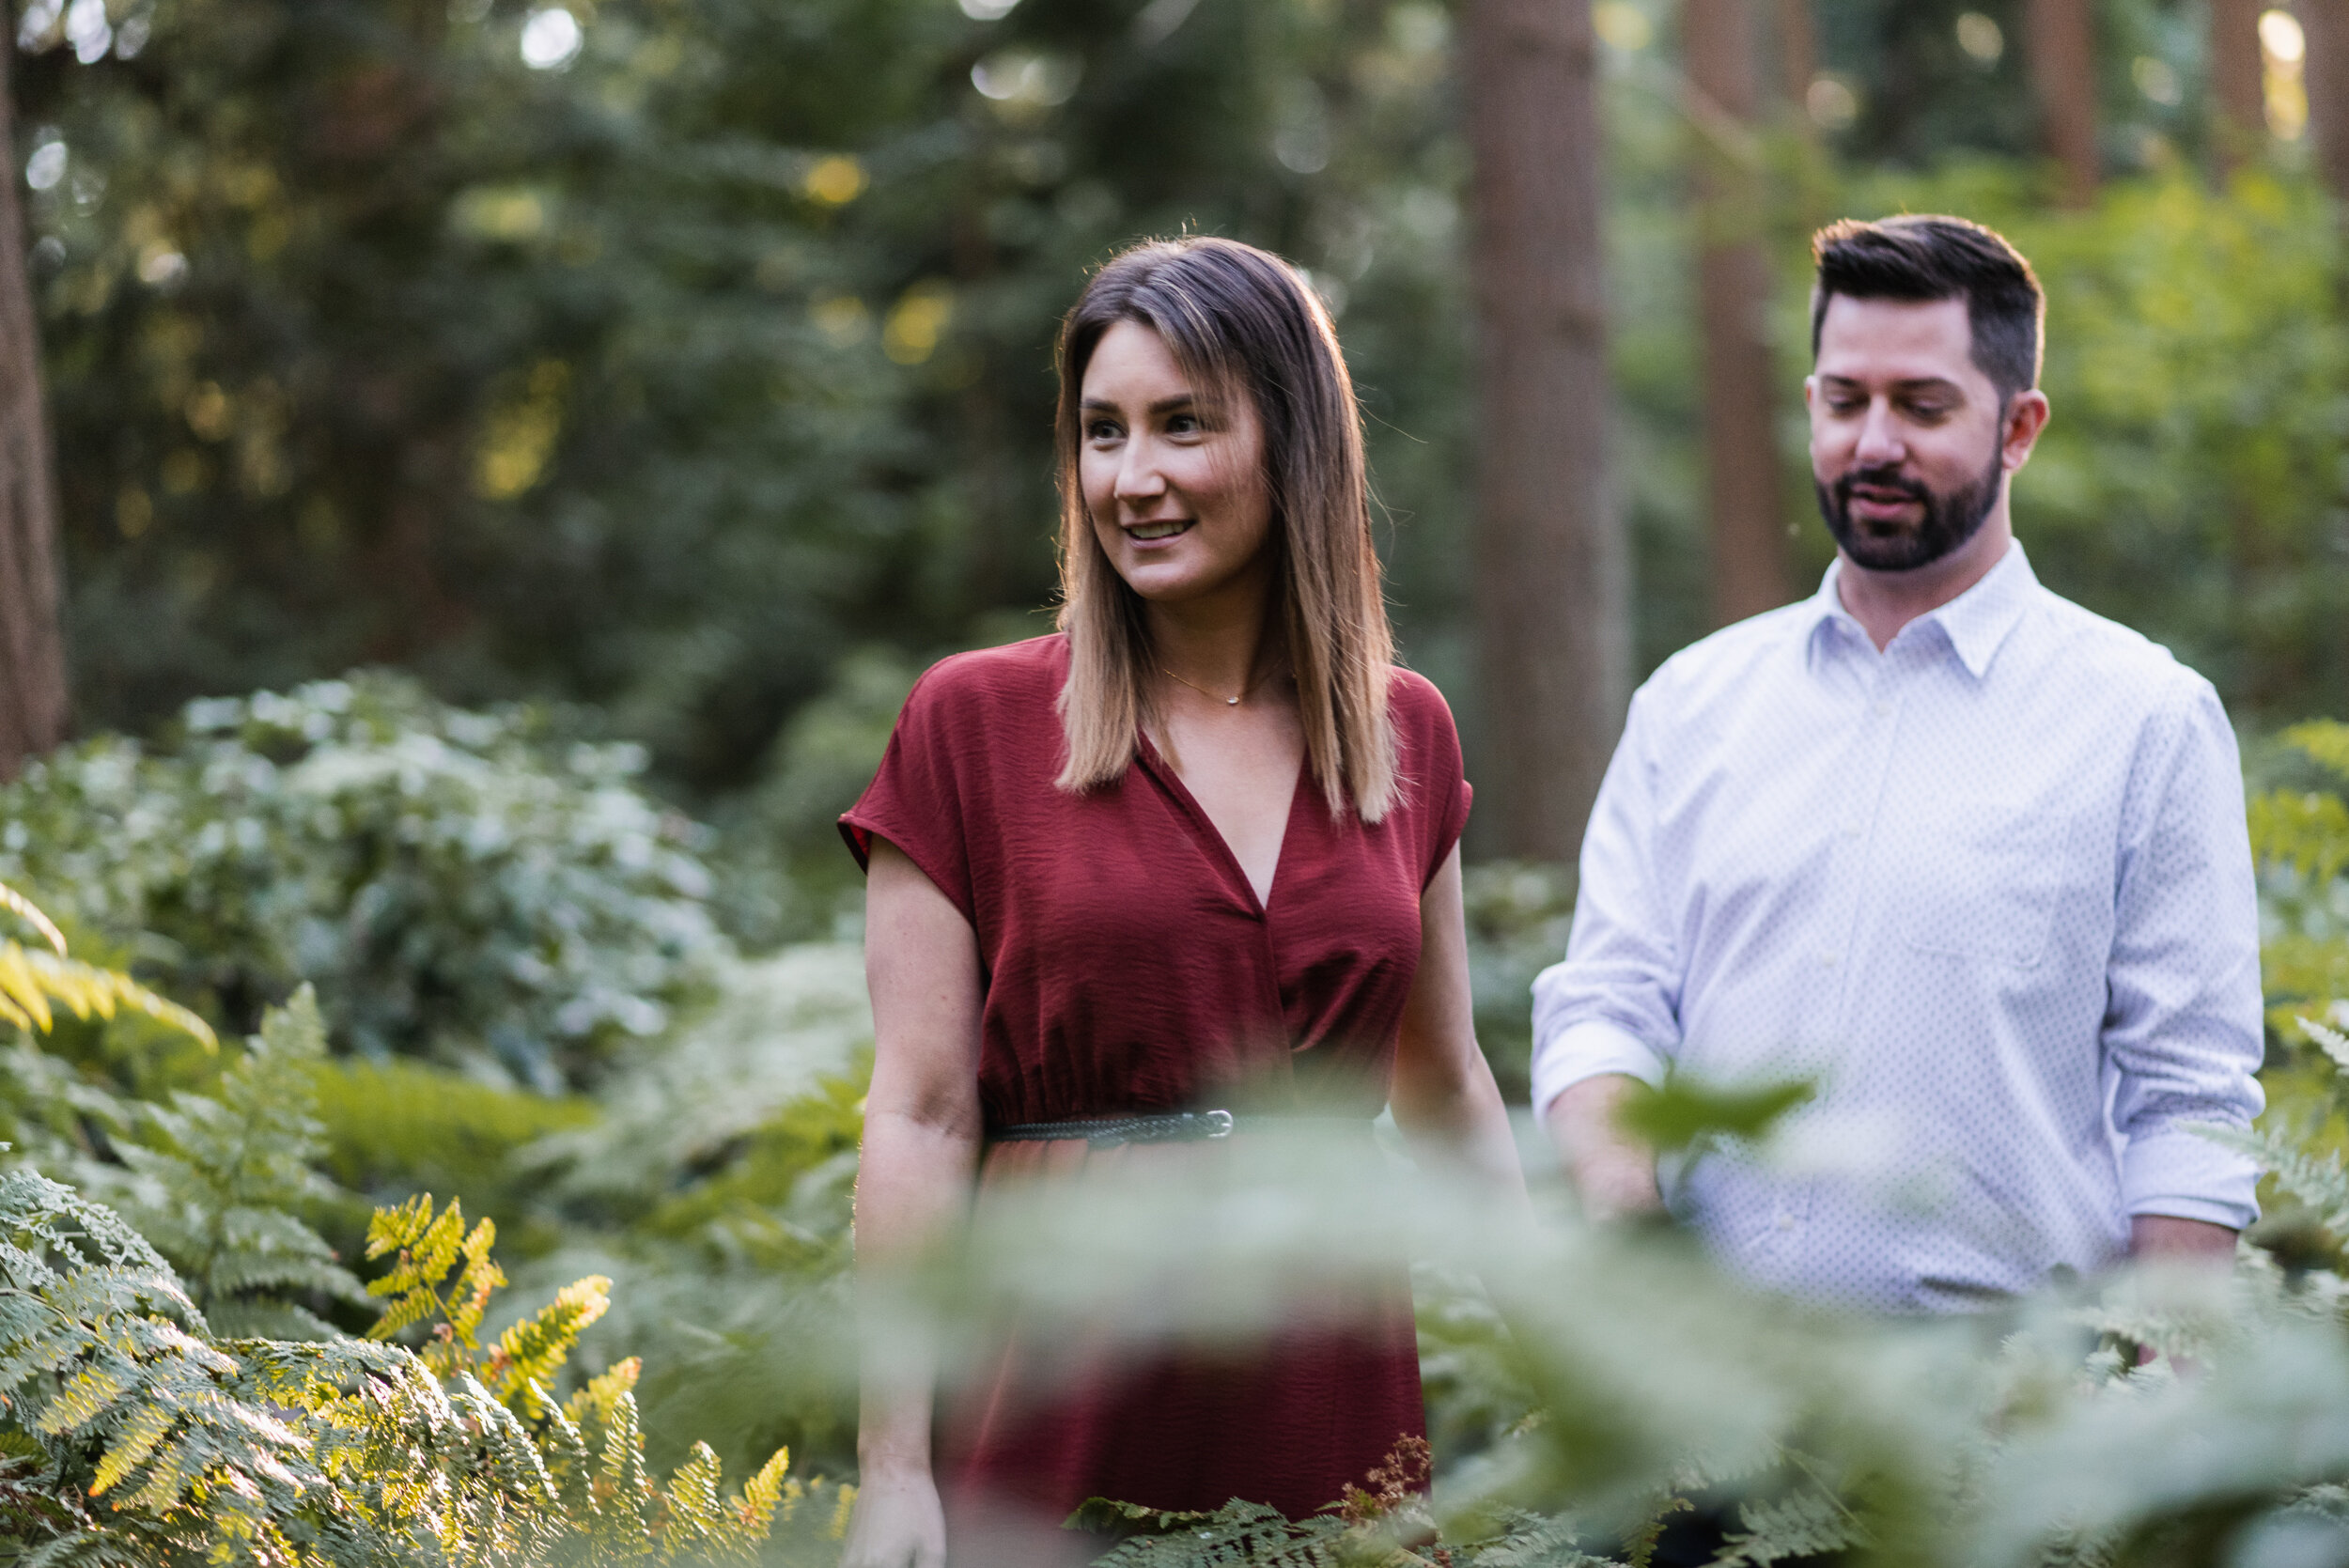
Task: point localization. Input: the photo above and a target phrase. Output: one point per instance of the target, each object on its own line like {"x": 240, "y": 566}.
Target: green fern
{"x": 1236, "y": 1533}
{"x": 1531, "y": 1541}
{"x": 1805, "y": 1523}
{"x": 2318, "y": 1182}
{"x": 428, "y": 1246}
{"x": 222, "y": 1180}
{"x": 31, "y": 980}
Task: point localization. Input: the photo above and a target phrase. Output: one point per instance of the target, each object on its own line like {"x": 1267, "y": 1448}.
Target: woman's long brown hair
{"x": 1240, "y": 321}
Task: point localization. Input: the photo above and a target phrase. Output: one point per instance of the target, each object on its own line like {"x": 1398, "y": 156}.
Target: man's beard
{"x": 1948, "y": 519}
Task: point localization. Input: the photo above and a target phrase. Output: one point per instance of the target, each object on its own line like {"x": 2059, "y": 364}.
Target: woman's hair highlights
{"x": 1240, "y": 322}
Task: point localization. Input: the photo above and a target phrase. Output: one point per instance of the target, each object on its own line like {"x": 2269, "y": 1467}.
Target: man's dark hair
{"x": 1927, "y": 258}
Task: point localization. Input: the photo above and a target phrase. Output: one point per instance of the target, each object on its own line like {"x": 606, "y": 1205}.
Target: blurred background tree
{"x": 687, "y": 360}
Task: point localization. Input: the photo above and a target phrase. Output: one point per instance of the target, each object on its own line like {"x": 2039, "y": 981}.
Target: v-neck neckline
{"x": 1220, "y": 846}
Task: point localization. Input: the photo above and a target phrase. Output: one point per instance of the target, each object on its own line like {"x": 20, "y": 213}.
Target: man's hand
{"x": 1614, "y": 1172}
{"x": 2162, "y": 1236}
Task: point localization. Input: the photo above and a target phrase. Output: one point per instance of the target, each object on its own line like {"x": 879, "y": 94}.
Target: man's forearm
{"x": 2163, "y": 1235}
{"x": 1614, "y": 1172}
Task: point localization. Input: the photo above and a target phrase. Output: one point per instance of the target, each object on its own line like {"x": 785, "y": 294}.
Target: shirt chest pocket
{"x": 1985, "y": 878}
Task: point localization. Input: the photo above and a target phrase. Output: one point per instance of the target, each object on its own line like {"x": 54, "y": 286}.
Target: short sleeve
{"x": 1435, "y": 783}
{"x": 915, "y": 800}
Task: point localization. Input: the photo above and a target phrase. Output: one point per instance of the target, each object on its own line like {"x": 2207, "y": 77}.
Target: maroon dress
{"x": 1129, "y": 969}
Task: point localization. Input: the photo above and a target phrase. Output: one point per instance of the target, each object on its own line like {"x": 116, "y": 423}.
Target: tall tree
{"x": 1742, "y": 490}
{"x": 2237, "y": 90}
{"x": 32, "y": 648}
{"x": 2062, "y": 43}
{"x": 1552, "y": 568}
{"x": 1797, "y": 58}
{"x": 2324, "y": 73}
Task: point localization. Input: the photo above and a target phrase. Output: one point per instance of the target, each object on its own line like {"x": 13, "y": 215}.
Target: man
{"x": 1971, "y": 858}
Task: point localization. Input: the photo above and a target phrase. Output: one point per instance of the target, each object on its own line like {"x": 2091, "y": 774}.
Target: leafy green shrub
{"x": 464, "y": 887}
{"x": 1518, "y": 913}
{"x": 714, "y": 1189}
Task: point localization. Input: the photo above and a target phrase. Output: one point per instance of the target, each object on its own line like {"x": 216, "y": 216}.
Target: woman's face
{"x": 1172, "y": 480}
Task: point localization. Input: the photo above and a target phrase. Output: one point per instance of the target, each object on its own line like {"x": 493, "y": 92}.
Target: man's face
{"x": 1910, "y": 443}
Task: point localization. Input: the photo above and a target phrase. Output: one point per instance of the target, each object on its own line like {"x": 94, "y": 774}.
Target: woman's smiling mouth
{"x": 1149, "y": 533}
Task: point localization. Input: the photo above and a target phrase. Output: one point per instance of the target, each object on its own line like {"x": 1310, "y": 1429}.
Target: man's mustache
{"x": 1881, "y": 479}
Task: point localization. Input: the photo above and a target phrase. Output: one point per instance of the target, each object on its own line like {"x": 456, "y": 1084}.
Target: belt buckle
{"x": 1218, "y": 1124}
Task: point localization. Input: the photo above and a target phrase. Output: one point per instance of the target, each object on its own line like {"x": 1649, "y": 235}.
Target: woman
{"x": 1219, "y": 722}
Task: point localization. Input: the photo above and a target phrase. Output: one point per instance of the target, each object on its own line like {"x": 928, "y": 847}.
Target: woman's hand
{"x": 898, "y": 1522}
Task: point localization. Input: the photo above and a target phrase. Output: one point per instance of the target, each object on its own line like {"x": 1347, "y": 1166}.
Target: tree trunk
{"x": 32, "y": 645}
{"x": 2238, "y": 91}
{"x": 1797, "y": 58}
{"x": 2062, "y": 43}
{"x": 1552, "y": 567}
{"x": 2325, "y": 73}
{"x": 1742, "y": 481}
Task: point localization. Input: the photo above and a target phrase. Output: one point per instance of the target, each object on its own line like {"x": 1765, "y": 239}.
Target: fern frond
{"x": 532, "y": 1351}
{"x": 592, "y": 1405}
{"x": 1531, "y": 1541}
{"x": 140, "y": 1433}
{"x": 2332, "y": 1042}
{"x": 473, "y": 1286}
{"x": 763, "y": 1492}
{"x": 1236, "y": 1533}
{"x": 1803, "y": 1524}
{"x": 390, "y": 1230}
{"x": 31, "y": 980}
{"x": 32, "y": 915}
{"x": 86, "y": 1396}
{"x": 2322, "y": 1185}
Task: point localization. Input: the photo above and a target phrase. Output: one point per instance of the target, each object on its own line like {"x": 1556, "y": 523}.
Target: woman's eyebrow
{"x": 1165, "y": 405}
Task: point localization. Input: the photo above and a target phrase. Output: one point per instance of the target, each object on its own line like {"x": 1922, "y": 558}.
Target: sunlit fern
{"x": 34, "y": 982}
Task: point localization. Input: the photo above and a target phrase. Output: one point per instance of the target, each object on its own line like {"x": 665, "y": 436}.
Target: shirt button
{"x": 1851, "y": 830}
{"x": 1882, "y": 710}
{"x": 1786, "y": 1221}
{"x": 1827, "y": 956}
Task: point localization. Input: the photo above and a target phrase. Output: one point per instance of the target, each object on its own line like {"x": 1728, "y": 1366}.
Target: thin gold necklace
{"x": 1228, "y": 702}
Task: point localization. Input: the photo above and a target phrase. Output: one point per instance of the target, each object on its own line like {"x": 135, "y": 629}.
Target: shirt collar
{"x": 1975, "y": 623}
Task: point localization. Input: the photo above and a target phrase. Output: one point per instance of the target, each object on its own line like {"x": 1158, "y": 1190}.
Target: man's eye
{"x": 1929, "y": 411}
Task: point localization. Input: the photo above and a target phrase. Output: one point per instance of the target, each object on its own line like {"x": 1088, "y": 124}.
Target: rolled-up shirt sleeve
{"x": 1612, "y": 1006}
{"x": 2183, "y": 1031}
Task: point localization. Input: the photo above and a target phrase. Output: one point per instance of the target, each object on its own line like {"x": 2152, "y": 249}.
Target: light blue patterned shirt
{"x": 1989, "y": 888}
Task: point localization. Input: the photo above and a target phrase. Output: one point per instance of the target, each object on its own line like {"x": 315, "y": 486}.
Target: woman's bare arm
{"x": 922, "y": 1135}
{"x": 1444, "y": 1097}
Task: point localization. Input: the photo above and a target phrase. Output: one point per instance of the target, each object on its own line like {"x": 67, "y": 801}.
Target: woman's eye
{"x": 1184, "y": 425}
{"x": 1101, "y": 429}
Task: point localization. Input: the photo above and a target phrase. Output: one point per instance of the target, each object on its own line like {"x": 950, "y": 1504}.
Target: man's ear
{"x": 2026, "y": 417}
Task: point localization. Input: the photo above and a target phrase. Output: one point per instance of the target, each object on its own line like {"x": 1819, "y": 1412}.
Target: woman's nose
{"x": 1139, "y": 477}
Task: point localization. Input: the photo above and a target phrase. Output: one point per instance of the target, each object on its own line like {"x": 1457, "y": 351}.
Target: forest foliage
{"x": 643, "y": 406}
{"x": 703, "y": 372}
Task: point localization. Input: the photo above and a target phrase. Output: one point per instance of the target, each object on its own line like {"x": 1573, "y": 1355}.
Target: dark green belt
{"x": 1172, "y": 1126}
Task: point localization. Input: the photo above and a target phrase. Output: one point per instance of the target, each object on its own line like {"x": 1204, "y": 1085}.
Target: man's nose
{"x": 1879, "y": 436}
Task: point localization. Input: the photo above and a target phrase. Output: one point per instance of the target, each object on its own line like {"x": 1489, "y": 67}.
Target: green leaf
{"x": 1684, "y": 1112}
